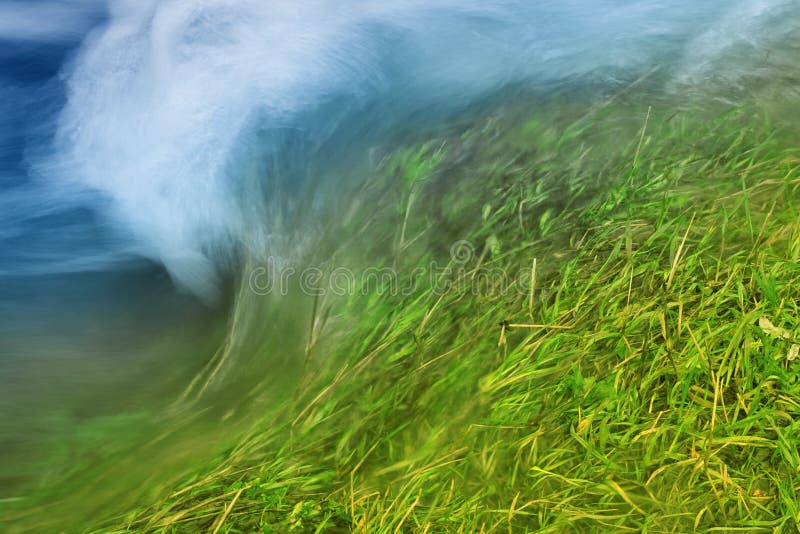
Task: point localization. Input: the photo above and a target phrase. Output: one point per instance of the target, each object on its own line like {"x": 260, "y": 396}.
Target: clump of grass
{"x": 633, "y": 386}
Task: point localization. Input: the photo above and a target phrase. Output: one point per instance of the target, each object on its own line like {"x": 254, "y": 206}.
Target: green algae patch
{"x": 588, "y": 322}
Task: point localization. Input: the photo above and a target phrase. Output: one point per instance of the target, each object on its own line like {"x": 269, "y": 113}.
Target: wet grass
{"x": 610, "y": 347}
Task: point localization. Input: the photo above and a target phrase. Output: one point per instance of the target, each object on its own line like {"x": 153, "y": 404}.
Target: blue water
{"x": 147, "y": 129}
{"x": 44, "y": 237}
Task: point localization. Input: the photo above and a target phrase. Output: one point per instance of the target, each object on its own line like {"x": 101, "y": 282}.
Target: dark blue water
{"x": 62, "y": 260}
{"x": 44, "y": 234}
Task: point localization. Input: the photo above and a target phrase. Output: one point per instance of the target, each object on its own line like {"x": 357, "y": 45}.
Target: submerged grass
{"x": 610, "y": 348}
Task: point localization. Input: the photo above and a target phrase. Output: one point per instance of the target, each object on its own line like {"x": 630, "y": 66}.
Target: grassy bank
{"x": 594, "y": 329}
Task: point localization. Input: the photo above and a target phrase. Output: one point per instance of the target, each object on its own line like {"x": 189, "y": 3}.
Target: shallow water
{"x": 149, "y": 150}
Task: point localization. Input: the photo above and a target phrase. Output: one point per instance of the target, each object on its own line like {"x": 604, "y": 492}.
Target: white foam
{"x": 161, "y": 95}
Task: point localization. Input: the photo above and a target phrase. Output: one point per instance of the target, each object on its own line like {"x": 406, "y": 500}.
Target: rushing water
{"x": 145, "y": 146}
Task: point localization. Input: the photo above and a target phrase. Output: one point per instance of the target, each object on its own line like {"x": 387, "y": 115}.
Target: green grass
{"x": 643, "y": 391}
